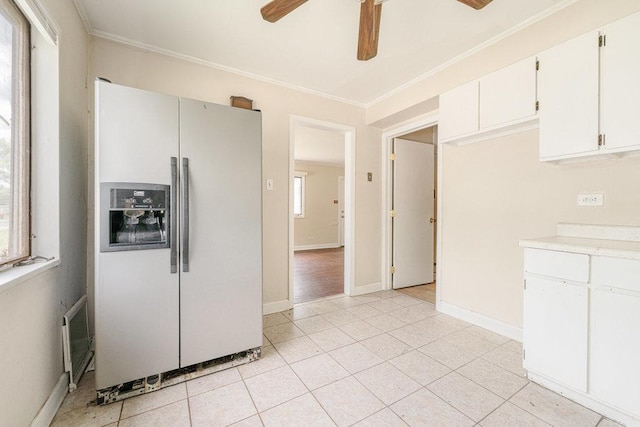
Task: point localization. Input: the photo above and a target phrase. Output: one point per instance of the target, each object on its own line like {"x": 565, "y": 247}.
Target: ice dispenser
{"x": 134, "y": 216}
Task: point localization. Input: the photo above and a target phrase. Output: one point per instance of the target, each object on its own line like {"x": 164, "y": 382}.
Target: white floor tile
{"x": 355, "y": 357}
{"x": 146, "y": 402}
{"x": 387, "y": 383}
{"x": 507, "y": 359}
{"x": 222, "y": 406}
{"x": 384, "y": 418}
{"x": 274, "y": 387}
{"x": 493, "y": 378}
{"x": 341, "y": 317}
{"x": 385, "y": 306}
{"x": 299, "y": 312}
{"x": 301, "y": 411}
{"x": 213, "y": 381}
{"x": 553, "y": 408}
{"x": 420, "y": 367}
{"x": 347, "y": 401}
{"x": 297, "y": 349}
{"x": 253, "y": 421}
{"x": 424, "y": 408}
{"x": 386, "y": 346}
{"x": 509, "y": 415}
{"x": 331, "y": 339}
{"x": 324, "y": 306}
{"x": 450, "y": 355}
{"x": 360, "y": 330}
{"x": 313, "y": 324}
{"x": 173, "y": 415}
{"x": 466, "y": 396}
{"x": 270, "y": 359}
{"x": 364, "y": 311}
{"x": 274, "y": 319}
{"x": 282, "y": 332}
{"x": 471, "y": 341}
{"x": 319, "y": 371}
{"x": 385, "y": 322}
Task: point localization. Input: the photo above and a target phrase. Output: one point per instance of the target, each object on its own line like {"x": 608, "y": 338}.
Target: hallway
{"x": 317, "y": 274}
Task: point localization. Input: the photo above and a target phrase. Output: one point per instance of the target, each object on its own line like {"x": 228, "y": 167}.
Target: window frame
{"x": 20, "y": 208}
{"x": 303, "y": 190}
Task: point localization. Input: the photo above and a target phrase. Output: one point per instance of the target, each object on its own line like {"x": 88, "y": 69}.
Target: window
{"x": 299, "y": 188}
{"x": 14, "y": 134}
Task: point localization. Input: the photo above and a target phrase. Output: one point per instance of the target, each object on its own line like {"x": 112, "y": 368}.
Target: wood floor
{"x": 317, "y": 274}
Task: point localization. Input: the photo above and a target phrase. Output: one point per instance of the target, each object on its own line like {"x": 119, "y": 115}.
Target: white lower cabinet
{"x": 581, "y": 333}
{"x": 556, "y": 319}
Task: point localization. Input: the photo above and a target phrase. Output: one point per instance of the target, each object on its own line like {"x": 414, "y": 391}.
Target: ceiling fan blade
{"x": 476, "y": 4}
{"x": 369, "y": 31}
{"x": 277, "y": 9}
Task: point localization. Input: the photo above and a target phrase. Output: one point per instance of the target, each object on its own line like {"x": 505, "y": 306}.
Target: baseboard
{"x": 320, "y": 246}
{"x": 276, "y": 307}
{"x": 366, "y": 289}
{"x": 481, "y": 320}
{"x": 51, "y": 406}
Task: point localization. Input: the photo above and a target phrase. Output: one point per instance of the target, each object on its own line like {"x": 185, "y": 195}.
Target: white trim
{"x": 585, "y": 400}
{"x": 349, "y": 133}
{"x": 481, "y": 320}
{"x": 15, "y": 275}
{"x": 319, "y": 246}
{"x": 51, "y": 406}
{"x": 37, "y": 14}
{"x": 214, "y": 65}
{"x": 387, "y": 256}
{"x": 509, "y": 32}
{"x": 367, "y": 289}
{"x": 276, "y": 307}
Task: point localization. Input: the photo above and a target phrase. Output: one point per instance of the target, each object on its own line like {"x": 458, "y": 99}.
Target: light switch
{"x": 369, "y": 176}
{"x": 269, "y": 184}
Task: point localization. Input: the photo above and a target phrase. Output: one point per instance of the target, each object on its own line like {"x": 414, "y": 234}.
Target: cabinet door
{"x": 508, "y": 94}
{"x": 615, "y": 347}
{"x": 459, "y": 111}
{"x": 568, "y": 95}
{"x": 555, "y": 331}
{"x": 620, "y": 88}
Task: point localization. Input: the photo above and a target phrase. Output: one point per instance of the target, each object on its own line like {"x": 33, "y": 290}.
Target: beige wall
{"x": 497, "y": 192}
{"x": 31, "y": 312}
{"x": 134, "y": 67}
{"x": 320, "y": 223}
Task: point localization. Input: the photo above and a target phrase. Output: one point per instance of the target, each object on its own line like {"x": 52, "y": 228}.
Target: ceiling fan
{"x": 370, "y": 13}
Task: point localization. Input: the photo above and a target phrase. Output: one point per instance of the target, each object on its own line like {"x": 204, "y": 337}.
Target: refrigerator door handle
{"x": 173, "y": 226}
{"x": 185, "y": 214}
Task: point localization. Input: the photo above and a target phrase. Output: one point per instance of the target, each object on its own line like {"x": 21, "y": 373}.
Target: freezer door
{"x": 136, "y": 296}
{"x": 221, "y": 293}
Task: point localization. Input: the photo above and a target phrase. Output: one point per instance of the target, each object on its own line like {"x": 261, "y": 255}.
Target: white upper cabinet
{"x": 568, "y": 96}
{"x": 508, "y": 95}
{"x": 588, "y": 89}
{"x": 620, "y": 85}
{"x": 459, "y": 112}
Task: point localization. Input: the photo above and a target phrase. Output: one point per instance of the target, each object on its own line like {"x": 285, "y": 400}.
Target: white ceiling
{"x": 319, "y": 146}
{"x": 313, "y": 48}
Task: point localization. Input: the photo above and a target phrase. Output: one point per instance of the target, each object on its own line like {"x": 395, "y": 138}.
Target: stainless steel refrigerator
{"x": 178, "y": 234}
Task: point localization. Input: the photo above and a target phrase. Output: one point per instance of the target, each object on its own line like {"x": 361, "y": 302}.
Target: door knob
{"x": 432, "y": 220}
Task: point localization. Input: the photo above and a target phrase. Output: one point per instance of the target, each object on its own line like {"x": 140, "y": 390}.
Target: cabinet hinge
{"x": 392, "y": 156}
{"x": 392, "y": 269}
{"x": 525, "y": 284}
{"x": 392, "y": 213}
{"x": 537, "y": 105}
{"x": 537, "y": 65}
{"x": 602, "y": 40}
{"x": 602, "y": 139}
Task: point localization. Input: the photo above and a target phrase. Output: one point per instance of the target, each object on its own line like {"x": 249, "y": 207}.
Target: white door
{"x": 221, "y": 293}
{"x": 136, "y": 296}
{"x": 341, "y": 210}
{"x": 413, "y": 205}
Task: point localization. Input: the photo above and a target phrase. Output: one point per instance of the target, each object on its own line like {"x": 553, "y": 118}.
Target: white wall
{"x": 131, "y": 66}
{"x": 320, "y": 223}
{"x": 31, "y": 312}
{"x": 497, "y": 192}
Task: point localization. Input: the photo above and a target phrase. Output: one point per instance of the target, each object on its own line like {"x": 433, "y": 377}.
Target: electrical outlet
{"x": 591, "y": 199}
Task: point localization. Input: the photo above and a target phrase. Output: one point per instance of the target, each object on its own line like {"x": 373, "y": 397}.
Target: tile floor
{"x": 424, "y": 292}
{"x": 383, "y": 359}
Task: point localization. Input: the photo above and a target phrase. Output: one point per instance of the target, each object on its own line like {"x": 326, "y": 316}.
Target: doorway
{"x": 411, "y": 211}
{"x": 321, "y": 209}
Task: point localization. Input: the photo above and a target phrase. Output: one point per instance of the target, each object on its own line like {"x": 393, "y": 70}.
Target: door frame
{"x": 341, "y": 219}
{"x": 387, "y": 182}
{"x": 349, "y": 133}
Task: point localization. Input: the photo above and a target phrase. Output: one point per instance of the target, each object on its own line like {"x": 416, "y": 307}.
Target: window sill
{"x": 15, "y": 275}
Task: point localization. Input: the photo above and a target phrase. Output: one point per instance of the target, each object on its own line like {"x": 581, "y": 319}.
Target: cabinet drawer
{"x": 616, "y": 273}
{"x": 561, "y": 265}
